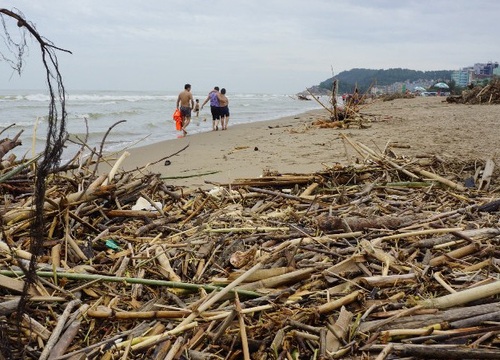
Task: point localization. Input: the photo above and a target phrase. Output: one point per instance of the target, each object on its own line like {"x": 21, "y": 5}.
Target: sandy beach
{"x": 421, "y": 126}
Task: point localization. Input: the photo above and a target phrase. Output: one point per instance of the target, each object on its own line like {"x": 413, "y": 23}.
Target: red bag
{"x": 178, "y": 119}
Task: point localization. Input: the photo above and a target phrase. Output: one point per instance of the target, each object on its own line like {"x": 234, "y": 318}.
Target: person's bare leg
{"x": 185, "y": 124}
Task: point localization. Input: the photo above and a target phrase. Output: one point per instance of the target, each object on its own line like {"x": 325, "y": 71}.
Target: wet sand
{"x": 420, "y": 126}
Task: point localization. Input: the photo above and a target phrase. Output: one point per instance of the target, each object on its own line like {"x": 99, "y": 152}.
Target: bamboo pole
{"x": 129, "y": 280}
{"x": 440, "y": 179}
{"x": 463, "y": 297}
{"x": 334, "y": 305}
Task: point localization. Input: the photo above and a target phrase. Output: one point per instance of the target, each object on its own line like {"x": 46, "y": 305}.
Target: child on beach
{"x": 197, "y": 107}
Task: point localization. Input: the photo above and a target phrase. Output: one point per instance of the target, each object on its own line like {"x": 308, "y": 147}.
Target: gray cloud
{"x": 251, "y": 46}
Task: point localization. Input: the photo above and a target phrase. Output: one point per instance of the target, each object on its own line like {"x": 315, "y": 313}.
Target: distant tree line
{"x": 365, "y": 78}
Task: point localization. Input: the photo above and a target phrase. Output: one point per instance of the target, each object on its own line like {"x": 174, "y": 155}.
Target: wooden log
{"x": 15, "y": 285}
{"x": 332, "y": 223}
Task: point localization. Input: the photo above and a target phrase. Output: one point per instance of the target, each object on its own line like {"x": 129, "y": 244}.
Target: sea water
{"x": 93, "y": 115}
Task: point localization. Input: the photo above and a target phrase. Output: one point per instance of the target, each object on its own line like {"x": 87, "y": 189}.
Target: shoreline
{"x": 241, "y": 151}
{"x": 416, "y": 127}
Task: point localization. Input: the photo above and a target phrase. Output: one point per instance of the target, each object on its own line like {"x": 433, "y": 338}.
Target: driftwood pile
{"x": 488, "y": 94}
{"x": 397, "y": 95}
{"x": 384, "y": 259}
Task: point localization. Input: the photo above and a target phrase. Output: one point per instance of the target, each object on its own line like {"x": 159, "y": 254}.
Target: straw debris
{"x": 371, "y": 260}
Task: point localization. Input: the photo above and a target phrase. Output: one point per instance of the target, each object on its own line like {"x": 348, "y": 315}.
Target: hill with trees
{"x": 366, "y": 78}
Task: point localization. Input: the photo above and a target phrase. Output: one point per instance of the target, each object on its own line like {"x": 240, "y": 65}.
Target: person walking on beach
{"x": 214, "y": 107}
{"x": 223, "y": 108}
{"x": 185, "y": 103}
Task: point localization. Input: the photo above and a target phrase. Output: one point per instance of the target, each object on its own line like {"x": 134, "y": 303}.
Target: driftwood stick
{"x": 164, "y": 263}
{"x": 455, "y": 254}
{"x": 443, "y": 283}
{"x": 246, "y": 229}
{"x": 475, "y": 320}
{"x": 65, "y": 340}
{"x": 209, "y": 316}
{"x": 334, "y": 305}
{"x": 228, "y": 319}
{"x": 110, "y": 313}
{"x": 463, "y": 297}
{"x": 385, "y": 352}
{"x": 58, "y": 329}
{"x": 280, "y": 194}
{"x": 39, "y": 329}
{"x": 389, "y": 280}
{"x": 10, "y": 144}
{"x": 484, "y": 183}
{"x": 93, "y": 192}
{"x": 23, "y": 254}
{"x": 380, "y": 158}
{"x": 243, "y": 330}
{"x": 212, "y": 300}
{"x": 440, "y": 179}
{"x": 148, "y": 341}
{"x": 175, "y": 348}
{"x": 450, "y": 352}
{"x": 276, "y": 281}
{"x": 339, "y": 329}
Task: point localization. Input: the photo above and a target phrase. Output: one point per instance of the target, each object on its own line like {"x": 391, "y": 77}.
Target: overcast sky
{"x": 265, "y": 46}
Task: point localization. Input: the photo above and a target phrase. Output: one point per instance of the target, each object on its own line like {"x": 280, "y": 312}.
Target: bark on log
{"x": 329, "y": 223}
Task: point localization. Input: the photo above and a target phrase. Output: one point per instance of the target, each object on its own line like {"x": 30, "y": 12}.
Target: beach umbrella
{"x": 419, "y": 88}
{"x": 441, "y": 85}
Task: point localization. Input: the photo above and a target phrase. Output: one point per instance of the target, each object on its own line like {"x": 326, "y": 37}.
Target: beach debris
{"x": 345, "y": 115}
{"x": 7, "y": 144}
{"x": 370, "y": 260}
{"x": 475, "y": 95}
{"x": 146, "y": 204}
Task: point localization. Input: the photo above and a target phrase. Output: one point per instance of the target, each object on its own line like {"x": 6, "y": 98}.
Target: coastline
{"x": 241, "y": 151}
{"x": 416, "y": 127}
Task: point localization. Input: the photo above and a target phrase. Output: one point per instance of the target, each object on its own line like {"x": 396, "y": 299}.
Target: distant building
{"x": 462, "y": 77}
{"x": 485, "y": 69}
{"x": 478, "y": 73}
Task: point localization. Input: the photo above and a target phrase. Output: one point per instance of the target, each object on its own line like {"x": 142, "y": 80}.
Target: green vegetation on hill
{"x": 365, "y": 78}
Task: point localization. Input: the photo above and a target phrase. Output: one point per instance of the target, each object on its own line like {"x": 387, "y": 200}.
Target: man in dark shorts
{"x": 223, "y": 109}
{"x": 214, "y": 107}
{"x": 185, "y": 103}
